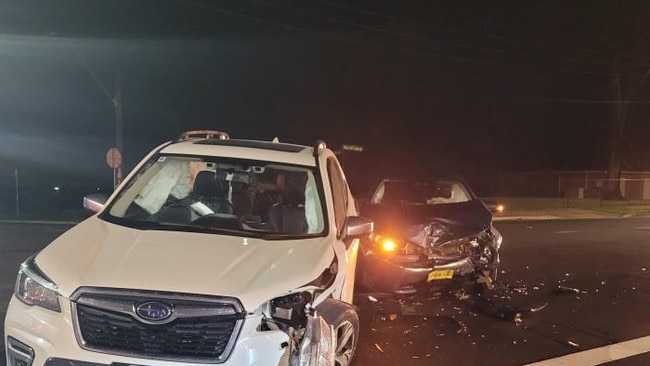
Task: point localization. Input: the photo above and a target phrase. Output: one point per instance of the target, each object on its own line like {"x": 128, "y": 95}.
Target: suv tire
{"x": 345, "y": 321}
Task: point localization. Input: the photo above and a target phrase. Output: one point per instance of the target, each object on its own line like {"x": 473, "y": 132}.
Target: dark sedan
{"x": 427, "y": 232}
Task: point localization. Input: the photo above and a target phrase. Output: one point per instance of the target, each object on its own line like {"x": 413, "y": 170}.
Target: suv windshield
{"x": 421, "y": 192}
{"x": 211, "y": 193}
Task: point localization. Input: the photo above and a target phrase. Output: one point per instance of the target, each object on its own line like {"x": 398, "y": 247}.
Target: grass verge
{"x": 529, "y": 206}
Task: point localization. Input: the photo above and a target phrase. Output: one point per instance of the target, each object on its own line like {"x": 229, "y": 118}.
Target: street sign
{"x": 114, "y": 157}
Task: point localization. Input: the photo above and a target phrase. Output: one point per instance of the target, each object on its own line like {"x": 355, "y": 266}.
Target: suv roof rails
{"x": 205, "y": 134}
{"x": 319, "y": 146}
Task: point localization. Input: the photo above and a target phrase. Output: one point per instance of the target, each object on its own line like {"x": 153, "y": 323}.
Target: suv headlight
{"x": 34, "y": 288}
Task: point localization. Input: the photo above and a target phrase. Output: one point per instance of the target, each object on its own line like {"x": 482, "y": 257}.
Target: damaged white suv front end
{"x": 213, "y": 251}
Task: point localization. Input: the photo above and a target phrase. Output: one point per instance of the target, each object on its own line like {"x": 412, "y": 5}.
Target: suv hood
{"x": 100, "y": 254}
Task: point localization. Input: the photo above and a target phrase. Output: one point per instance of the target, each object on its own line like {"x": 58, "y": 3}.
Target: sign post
{"x": 114, "y": 160}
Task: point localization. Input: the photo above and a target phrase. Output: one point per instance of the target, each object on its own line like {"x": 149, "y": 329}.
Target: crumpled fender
{"x": 317, "y": 345}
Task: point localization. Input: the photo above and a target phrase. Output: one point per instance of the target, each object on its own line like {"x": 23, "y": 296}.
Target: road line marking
{"x": 566, "y": 231}
{"x": 599, "y": 355}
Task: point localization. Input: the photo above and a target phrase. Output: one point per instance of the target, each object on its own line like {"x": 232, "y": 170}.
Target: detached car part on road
{"x": 212, "y": 251}
{"x": 427, "y": 231}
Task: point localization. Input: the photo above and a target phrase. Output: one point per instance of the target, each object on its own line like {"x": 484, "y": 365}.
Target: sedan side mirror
{"x": 494, "y": 207}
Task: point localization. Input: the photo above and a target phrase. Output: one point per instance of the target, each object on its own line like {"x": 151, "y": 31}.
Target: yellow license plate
{"x": 442, "y": 274}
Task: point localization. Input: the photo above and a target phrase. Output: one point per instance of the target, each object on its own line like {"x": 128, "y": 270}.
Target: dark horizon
{"x": 468, "y": 88}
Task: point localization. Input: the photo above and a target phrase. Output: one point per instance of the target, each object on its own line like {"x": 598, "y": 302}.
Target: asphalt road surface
{"x": 574, "y": 288}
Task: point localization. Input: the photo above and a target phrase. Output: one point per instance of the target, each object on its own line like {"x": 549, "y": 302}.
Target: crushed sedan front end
{"x": 418, "y": 243}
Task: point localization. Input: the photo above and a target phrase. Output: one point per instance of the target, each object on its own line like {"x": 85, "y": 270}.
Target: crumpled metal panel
{"x": 317, "y": 345}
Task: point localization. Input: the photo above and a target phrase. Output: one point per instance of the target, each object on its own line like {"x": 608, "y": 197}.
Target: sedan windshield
{"x": 421, "y": 192}
{"x": 213, "y": 194}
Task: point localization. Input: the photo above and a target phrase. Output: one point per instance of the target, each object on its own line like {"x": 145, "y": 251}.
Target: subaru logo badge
{"x": 153, "y": 311}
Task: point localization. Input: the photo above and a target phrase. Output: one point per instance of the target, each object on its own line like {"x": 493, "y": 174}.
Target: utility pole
{"x": 117, "y": 105}
{"x": 17, "y": 193}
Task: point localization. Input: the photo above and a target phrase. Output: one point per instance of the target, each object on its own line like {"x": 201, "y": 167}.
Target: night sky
{"x": 426, "y": 87}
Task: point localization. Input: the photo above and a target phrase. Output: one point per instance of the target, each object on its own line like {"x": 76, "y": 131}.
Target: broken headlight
{"x": 291, "y": 310}
{"x": 391, "y": 244}
{"x": 35, "y": 289}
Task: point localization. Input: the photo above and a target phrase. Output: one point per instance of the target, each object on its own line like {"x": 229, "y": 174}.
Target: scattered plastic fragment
{"x": 521, "y": 290}
{"x": 392, "y": 317}
{"x": 462, "y": 327}
{"x": 566, "y": 290}
{"x": 602, "y": 282}
{"x": 574, "y": 344}
{"x": 378, "y": 347}
{"x": 461, "y": 294}
{"x": 415, "y": 357}
{"x": 644, "y": 269}
{"x": 372, "y": 298}
{"x": 538, "y": 308}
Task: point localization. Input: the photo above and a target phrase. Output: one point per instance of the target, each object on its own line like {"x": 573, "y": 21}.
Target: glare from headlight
{"x": 388, "y": 245}
{"x": 35, "y": 289}
{"x": 385, "y": 244}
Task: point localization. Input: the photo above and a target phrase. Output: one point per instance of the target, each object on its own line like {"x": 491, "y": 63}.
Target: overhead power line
{"x": 92, "y": 73}
{"x": 453, "y": 30}
{"x": 428, "y": 39}
{"x": 596, "y": 101}
{"x": 468, "y": 60}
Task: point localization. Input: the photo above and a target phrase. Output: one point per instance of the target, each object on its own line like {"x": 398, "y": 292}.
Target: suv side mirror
{"x": 358, "y": 226}
{"x": 95, "y": 202}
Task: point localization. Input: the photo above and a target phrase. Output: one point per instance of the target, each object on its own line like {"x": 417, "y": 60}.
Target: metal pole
{"x": 118, "y": 126}
{"x": 17, "y": 193}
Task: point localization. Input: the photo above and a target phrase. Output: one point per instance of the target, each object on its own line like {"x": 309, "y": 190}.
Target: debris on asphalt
{"x": 462, "y": 327}
{"x": 378, "y": 347}
{"x": 566, "y": 290}
{"x": 538, "y": 308}
{"x": 574, "y": 344}
{"x": 372, "y": 298}
{"x": 461, "y": 294}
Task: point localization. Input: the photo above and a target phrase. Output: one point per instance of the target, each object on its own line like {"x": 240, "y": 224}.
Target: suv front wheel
{"x": 345, "y": 321}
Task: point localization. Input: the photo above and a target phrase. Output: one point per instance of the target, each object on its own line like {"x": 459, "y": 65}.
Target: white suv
{"x": 212, "y": 251}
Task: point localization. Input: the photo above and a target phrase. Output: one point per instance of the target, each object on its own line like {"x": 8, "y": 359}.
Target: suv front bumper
{"x": 49, "y": 337}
